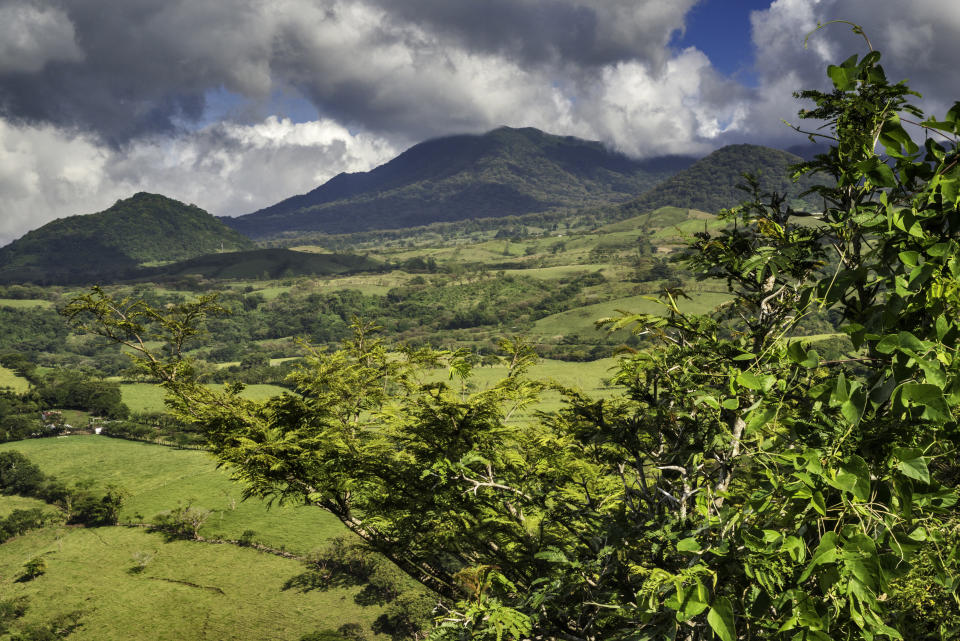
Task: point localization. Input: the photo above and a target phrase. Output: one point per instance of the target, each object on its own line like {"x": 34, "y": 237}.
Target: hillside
{"x": 710, "y": 184}
{"x": 142, "y": 229}
{"x": 264, "y": 263}
{"x": 501, "y": 173}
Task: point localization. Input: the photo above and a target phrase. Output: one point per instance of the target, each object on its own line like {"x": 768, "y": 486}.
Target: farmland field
{"x": 147, "y": 397}
{"x": 10, "y": 380}
{"x": 186, "y": 591}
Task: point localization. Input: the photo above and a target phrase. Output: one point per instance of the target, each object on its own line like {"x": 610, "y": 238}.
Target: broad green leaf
{"x": 709, "y": 401}
{"x": 749, "y": 380}
{"x": 843, "y": 78}
{"x": 688, "y": 544}
{"x": 910, "y": 258}
{"x": 730, "y": 403}
{"x": 758, "y": 418}
{"x": 720, "y": 618}
{"x": 858, "y": 469}
{"x": 912, "y": 463}
{"x": 826, "y": 552}
{"x": 818, "y": 503}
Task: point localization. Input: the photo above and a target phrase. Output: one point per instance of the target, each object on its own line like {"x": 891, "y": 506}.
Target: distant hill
{"x": 505, "y": 172}
{"x": 710, "y": 184}
{"x": 265, "y": 263}
{"x": 114, "y": 243}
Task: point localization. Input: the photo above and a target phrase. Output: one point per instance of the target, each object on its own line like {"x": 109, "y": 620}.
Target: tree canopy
{"x": 740, "y": 486}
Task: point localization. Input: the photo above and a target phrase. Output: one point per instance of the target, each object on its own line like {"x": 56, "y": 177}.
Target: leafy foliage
{"x": 741, "y": 487}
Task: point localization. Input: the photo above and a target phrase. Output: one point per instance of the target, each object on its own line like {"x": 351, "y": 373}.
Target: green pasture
{"x": 581, "y": 320}
{"x": 27, "y": 303}
{"x": 147, "y": 397}
{"x": 10, "y": 380}
{"x": 186, "y": 591}
{"x": 10, "y": 503}
{"x": 160, "y": 478}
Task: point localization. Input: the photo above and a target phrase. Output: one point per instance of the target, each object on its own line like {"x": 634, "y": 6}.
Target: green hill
{"x": 505, "y": 172}
{"x": 265, "y": 263}
{"x": 115, "y": 242}
{"x": 710, "y": 184}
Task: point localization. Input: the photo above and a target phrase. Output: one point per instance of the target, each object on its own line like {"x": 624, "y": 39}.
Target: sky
{"x": 234, "y": 105}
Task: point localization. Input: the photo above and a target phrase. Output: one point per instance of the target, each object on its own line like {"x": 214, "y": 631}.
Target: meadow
{"x": 10, "y": 380}
{"x": 186, "y": 589}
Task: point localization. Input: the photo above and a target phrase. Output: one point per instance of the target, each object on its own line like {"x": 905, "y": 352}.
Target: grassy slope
{"x": 10, "y": 503}
{"x": 582, "y": 319}
{"x": 158, "y": 478}
{"x": 147, "y": 397}
{"x": 11, "y": 380}
{"x": 25, "y": 303}
{"x": 89, "y": 569}
{"x": 240, "y": 597}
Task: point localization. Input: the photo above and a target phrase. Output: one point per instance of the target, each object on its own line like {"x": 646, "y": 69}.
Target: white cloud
{"x": 920, "y": 44}
{"x": 32, "y": 35}
{"x": 46, "y": 173}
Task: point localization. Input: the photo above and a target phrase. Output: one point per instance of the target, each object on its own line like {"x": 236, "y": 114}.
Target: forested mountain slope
{"x": 710, "y": 184}
{"x": 141, "y": 229}
{"x": 501, "y": 173}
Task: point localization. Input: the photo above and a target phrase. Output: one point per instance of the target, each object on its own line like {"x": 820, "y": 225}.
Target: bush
{"x": 35, "y": 567}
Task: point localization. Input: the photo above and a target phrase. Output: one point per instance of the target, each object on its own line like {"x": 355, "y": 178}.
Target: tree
{"x": 741, "y": 487}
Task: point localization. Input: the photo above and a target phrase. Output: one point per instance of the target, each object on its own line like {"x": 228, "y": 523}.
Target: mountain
{"x": 710, "y": 184}
{"x": 504, "y": 172}
{"x": 115, "y": 242}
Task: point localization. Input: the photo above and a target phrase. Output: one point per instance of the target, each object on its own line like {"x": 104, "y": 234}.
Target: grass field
{"x": 12, "y": 381}
{"x": 10, "y": 503}
{"x": 159, "y": 478}
{"x": 187, "y": 591}
{"x": 581, "y": 320}
{"x": 147, "y": 397}
{"x": 28, "y": 303}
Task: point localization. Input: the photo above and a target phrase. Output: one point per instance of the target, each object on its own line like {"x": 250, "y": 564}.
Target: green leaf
{"x": 910, "y": 258}
{"x": 943, "y": 326}
{"x": 688, "y": 544}
{"x": 826, "y": 552}
{"x": 709, "y": 401}
{"x": 730, "y": 403}
{"x": 818, "y": 503}
{"x": 843, "y": 78}
{"x": 857, "y": 468}
{"x": 720, "y": 618}
{"x": 758, "y": 418}
{"x": 749, "y": 380}
{"x": 912, "y": 463}
{"x": 930, "y": 398}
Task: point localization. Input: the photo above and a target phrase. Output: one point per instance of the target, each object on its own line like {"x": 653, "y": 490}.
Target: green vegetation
{"x": 505, "y": 172}
{"x": 148, "y": 397}
{"x": 114, "y": 242}
{"x": 10, "y": 380}
{"x": 186, "y": 591}
{"x": 262, "y": 263}
{"x": 739, "y": 486}
{"x": 710, "y": 184}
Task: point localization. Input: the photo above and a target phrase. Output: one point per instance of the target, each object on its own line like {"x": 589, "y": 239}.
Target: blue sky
{"x": 237, "y": 104}
{"x": 721, "y": 29}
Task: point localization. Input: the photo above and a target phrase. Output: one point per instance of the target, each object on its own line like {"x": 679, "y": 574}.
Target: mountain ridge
{"x": 711, "y": 183}
{"x": 503, "y": 172}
